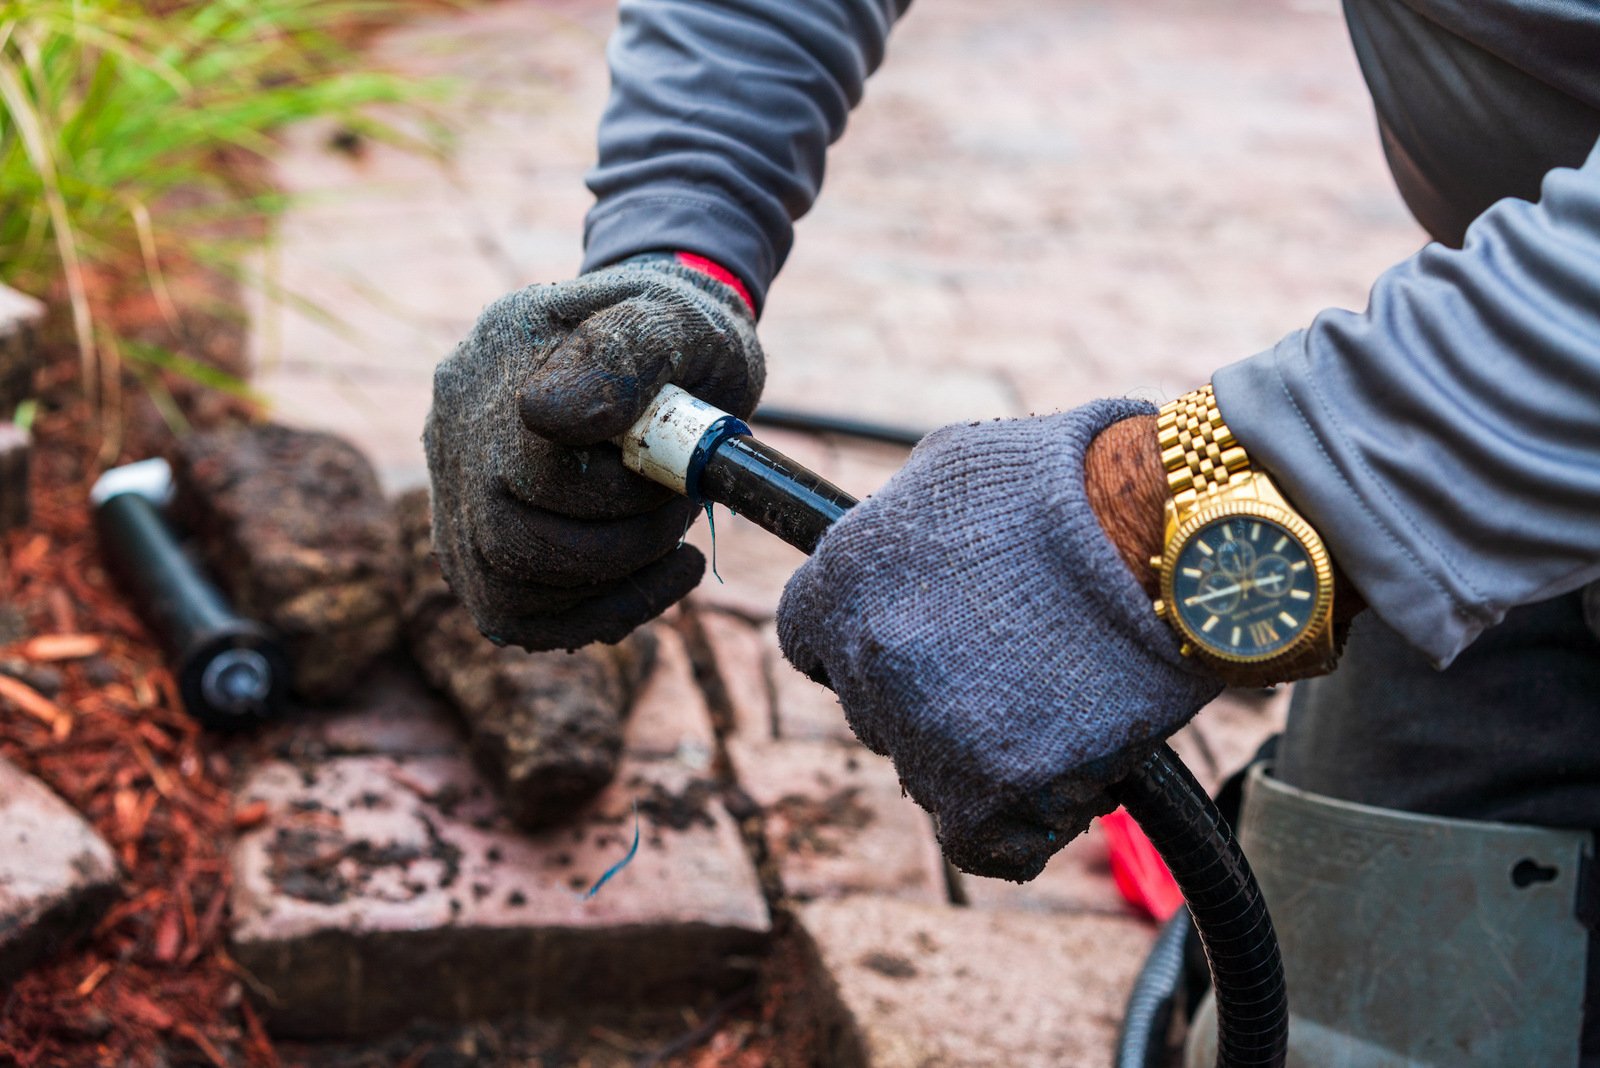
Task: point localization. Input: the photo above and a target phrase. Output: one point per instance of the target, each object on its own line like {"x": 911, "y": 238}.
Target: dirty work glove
{"x": 539, "y": 529}
{"x": 981, "y": 630}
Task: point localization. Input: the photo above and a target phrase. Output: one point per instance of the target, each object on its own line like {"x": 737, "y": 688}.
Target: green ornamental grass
{"x": 115, "y": 114}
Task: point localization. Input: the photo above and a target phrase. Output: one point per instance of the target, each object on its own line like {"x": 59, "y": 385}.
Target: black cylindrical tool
{"x": 230, "y": 671}
{"x": 707, "y": 454}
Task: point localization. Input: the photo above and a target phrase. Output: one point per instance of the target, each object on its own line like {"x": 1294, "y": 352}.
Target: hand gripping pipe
{"x": 710, "y": 456}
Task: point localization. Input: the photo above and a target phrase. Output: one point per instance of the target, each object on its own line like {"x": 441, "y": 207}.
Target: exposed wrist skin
{"x": 1127, "y": 488}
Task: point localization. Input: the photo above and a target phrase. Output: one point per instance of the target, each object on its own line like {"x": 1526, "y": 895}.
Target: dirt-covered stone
{"x": 546, "y": 729}
{"x": 56, "y": 874}
{"x": 293, "y": 525}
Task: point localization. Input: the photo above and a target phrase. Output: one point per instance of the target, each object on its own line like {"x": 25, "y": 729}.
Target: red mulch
{"x": 153, "y": 983}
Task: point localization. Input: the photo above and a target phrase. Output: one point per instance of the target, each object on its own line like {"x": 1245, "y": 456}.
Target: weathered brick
{"x": 390, "y": 887}
{"x": 670, "y": 717}
{"x": 905, "y": 985}
{"x": 298, "y": 533}
{"x": 384, "y": 890}
{"x": 738, "y": 658}
{"x": 802, "y": 708}
{"x": 393, "y": 712}
{"x": 56, "y": 874}
{"x": 837, "y": 822}
{"x": 754, "y": 566}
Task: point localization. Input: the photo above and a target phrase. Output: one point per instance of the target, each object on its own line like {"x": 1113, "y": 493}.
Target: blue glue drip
{"x": 623, "y": 863}
{"x": 711, "y": 521}
{"x": 1050, "y": 836}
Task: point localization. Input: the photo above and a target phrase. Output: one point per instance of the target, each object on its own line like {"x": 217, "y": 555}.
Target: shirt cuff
{"x": 1292, "y": 429}
{"x": 684, "y": 220}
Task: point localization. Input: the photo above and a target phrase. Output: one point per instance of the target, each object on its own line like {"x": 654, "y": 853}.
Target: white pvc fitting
{"x": 150, "y": 479}
{"x": 661, "y": 444}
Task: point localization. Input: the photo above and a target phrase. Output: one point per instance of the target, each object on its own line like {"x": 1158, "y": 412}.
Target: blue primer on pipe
{"x": 726, "y": 427}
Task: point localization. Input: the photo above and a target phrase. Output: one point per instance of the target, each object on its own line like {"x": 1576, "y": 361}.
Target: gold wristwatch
{"x": 1244, "y": 579}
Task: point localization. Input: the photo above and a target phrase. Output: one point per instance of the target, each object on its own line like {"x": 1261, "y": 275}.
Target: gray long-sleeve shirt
{"x": 1446, "y": 442}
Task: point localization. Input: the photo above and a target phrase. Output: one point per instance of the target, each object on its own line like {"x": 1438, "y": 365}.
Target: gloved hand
{"x": 549, "y": 541}
{"x": 981, "y": 630}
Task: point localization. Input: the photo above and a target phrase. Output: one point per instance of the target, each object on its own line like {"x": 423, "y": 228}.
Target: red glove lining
{"x": 720, "y": 273}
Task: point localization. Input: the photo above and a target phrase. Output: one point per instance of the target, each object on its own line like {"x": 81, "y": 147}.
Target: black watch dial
{"x": 1244, "y": 587}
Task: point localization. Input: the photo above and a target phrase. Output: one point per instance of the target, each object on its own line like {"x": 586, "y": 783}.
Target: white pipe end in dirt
{"x": 663, "y": 443}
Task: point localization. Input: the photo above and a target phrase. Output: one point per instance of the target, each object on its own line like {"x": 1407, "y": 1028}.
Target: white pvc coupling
{"x": 661, "y": 445}
{"x": 150, "y": 479}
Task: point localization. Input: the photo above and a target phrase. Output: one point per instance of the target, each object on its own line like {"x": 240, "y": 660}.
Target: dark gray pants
{"x": 1509, "y": 732}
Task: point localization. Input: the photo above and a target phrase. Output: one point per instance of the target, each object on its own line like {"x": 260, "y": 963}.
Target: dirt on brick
{"x": 811, "y": 825}
{"x": 546, "y": 729}
{"x": 679, "y": 810}
{"x": 294, "y": 526}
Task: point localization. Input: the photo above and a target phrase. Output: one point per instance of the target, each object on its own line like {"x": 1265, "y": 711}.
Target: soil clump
{"x": 293, "y": 525}
{"x": 546, "y": 729}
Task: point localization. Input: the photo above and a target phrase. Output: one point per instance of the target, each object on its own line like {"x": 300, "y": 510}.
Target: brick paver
{"x": 388, "y": 887}
{"x": 908, "y": 985}
{"x": 56, "y": 873}
{"x": 836, "y": 822}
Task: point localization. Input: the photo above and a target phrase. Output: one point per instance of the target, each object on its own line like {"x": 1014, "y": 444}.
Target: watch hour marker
{"x": 1298, "y": 565}
{"x": 1227, "y": 532}
{"x": 1211, "y": 621}
{"x": 1278, "y": 548}
{"x": 1288, "y": 620}
{"x": 1203, "y": 547}
{"x": 1263, "y": 632}
{"x": 1193, "y": 572}
{"x": 1300, "y": 595}
{"x": 1255, "y": 531}
{"x": 1233, "y": 639}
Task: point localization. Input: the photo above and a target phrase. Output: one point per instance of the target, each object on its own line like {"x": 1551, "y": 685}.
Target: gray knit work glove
{"x": 539, "y": 529}
{"x": 981, "y": 630}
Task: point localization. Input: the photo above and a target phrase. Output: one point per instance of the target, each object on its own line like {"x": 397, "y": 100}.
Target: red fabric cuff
{"x": 720, "y": 273}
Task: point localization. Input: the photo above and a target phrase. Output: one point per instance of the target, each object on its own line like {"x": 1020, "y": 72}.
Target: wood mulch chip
{"x": 152, "y": 983}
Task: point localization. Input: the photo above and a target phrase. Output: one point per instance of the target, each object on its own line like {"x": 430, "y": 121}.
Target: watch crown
{"x": 1161, "y": 609}
{"x": 1186, "y": 649}
{"x": 1155, "y": 562}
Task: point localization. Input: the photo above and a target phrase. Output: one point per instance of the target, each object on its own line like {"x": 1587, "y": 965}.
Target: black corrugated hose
{"x": 1142, "y": 1041}
{"x": 1225, "y": 901}
{"x": 1162, "y": 796}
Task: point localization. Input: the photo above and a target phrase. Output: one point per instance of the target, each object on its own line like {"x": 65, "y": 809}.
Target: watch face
{"x": 1244, "y": 587}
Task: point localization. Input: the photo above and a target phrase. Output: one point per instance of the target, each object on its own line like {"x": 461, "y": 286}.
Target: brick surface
{"x": 56, "y": 874}
{"x": 386, "y": 888}
{"x": 738, "y": 659}
{"x": 802, "y": 709}
{"x": 836, "y": 821}
{"x": 670, "y": 718}
{"x": 1077, "y": 879}
{"x": 754, "y": 566}
{"x": 904, "y": 985}
{"x": 392, "y": 713}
